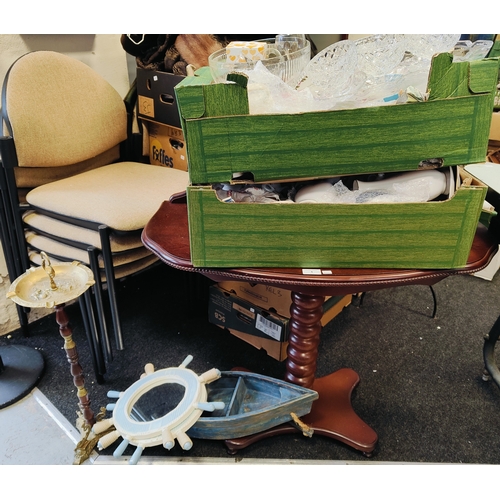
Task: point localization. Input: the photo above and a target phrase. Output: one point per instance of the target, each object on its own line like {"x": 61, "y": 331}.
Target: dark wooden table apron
{"x": 167, "y": 236}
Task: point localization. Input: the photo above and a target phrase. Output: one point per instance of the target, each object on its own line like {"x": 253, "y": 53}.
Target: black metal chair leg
{"x": 9, "y": 247}
{"x": 101, "y": 315}
{"x": 92, "y": 337}
{"x": 110, "y": 280}
{"x": 23, "y": 318}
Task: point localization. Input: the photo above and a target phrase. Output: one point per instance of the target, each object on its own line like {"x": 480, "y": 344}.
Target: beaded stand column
{"x": 305, "y": 327}
{"x": 76, "y": 369}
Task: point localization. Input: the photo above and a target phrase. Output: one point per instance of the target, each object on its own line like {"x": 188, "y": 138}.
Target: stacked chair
{"x": 69, "y": 183}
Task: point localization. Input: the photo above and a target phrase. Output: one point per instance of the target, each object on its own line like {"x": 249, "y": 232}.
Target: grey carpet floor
{"x": 421, "y": 386}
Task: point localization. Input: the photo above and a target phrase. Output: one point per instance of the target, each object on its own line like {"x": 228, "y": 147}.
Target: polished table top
{"x": 167, "y": 235}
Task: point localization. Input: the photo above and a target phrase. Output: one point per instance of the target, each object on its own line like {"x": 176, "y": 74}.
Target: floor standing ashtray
{"x": 52, "y": 286}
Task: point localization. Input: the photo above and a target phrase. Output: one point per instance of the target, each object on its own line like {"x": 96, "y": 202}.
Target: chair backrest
{"x": 60, "y": 112}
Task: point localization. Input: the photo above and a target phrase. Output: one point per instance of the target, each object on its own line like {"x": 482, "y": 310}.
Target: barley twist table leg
{"x": 305, "y": 327}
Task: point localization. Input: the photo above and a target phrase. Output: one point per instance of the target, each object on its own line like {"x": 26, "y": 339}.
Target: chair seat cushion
{"x": 66, "y": 252}
{"x": 124, "y": 195}
{"x": 58, "y": 229}
{"x": 121, "y": 271}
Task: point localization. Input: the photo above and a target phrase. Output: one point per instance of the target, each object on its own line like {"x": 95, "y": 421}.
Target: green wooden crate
{"x": 222, "y": 139}
{"x": 409, "y": 235}
{"x": 452, "y": 126}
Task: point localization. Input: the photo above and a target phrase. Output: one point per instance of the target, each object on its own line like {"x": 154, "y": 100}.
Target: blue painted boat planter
{"x": 253, "y": 403}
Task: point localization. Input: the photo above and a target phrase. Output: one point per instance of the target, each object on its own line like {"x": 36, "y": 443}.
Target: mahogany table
{"x": 167, "y": 235}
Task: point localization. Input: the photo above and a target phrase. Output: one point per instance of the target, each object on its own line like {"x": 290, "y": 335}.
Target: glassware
{"x": 425, "y": 46}
{"x": 465, "y": 50}
{"x": 378, "y": 55}
{"x": 287, "y": 44}
{"x": 287, "y": 66}
{"x": 328, "y": 74}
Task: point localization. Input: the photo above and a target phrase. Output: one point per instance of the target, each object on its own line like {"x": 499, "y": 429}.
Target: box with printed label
{"x": 221, "y": 314}
{"x": 167, "y": 147}
{"x": 279, "y": 300}
{"x": 227, "y": 310}
{"x": 273, "y": 348}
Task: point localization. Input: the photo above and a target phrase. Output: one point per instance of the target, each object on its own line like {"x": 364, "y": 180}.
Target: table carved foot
{"x": 331, "y": 414}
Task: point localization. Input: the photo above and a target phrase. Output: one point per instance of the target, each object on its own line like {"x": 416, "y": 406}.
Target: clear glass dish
{"x": 288, "y": 66}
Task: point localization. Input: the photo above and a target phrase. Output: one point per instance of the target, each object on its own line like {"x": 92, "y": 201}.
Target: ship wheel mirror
{"x": 171, "y": 420}
{"x": 157, "y": 402}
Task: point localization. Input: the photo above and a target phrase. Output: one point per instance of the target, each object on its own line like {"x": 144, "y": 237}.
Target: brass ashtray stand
{"x": 52, "y": 286}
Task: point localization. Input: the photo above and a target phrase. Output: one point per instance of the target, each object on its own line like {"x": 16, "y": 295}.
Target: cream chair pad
{"x": 124, "y": 196}
{"x": 132, "y": 267}
{"x": 54, "y": 227}
{"x": 53, "y": 247}
{"x": 120, "y": 271}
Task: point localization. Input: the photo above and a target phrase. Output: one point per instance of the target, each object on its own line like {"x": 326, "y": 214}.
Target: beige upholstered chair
{"x": 64, "y": 152}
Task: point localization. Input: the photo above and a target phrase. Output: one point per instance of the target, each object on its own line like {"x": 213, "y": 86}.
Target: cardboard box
{"x": 227, "y": 310}
{"x": 273, "y": 348}
{"x": 279, "y": 300}
{"x": 452, "y": 125}
{"x": 156, "y": 97}
{"x": 495, "y": 127}
{"x": 333, "y": 306}
{"x": 167, "y": 146}
{"x": 269, "y": 297}
{"x": 222, "y": 317}
{"x": 278, "y": 350}
{"x": 159, "y": 112}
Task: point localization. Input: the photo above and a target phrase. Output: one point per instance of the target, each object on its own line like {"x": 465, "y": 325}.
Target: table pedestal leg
{"x": 76, "y": 369}
{"x": 332, "y": 414}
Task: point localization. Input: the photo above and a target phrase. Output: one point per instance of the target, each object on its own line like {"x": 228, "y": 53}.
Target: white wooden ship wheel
{"x": 168, "y": 428}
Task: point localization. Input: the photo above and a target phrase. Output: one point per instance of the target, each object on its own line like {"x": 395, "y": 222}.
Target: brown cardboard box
{"x": 333, "y": 306}
{"x": 229, "y": 311}
{"x": 156, "y": 98}
{"x": 279, "y": 300}
{"x": 495, "y": 127}
{"x": 273, "y": 348}
{"x": 267, "y": 296}
{"x": 164, "y": 141}
{"x": 167, "y": 146}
